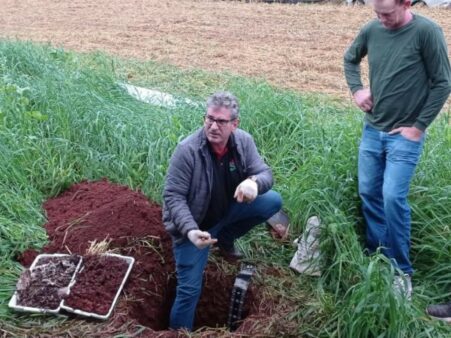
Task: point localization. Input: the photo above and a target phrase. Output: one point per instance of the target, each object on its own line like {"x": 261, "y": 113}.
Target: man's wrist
{"x": 254, "y": 179}
{"x": 420, "y": 126}
{"x": 189, "y": 230}
{"x": 356, "y": 89}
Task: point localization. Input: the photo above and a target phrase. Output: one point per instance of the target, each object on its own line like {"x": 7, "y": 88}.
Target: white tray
{"x": 13, "y": 301}
{"x": 130, "y": 261}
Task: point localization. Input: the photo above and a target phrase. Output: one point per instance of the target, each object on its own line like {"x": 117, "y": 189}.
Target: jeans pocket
{"x": 404, "y": 150}
{"x": 409, "y": 140}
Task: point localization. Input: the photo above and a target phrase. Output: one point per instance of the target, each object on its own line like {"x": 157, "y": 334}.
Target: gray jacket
{"x": 188, "y": 185}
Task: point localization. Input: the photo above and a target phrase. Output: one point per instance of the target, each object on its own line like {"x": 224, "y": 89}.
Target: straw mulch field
{"x": 293, "y": 46}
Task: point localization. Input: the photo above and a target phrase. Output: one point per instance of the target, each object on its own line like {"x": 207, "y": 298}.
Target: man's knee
{"x": 395, "y": 193}
{"x": 189, "y": 292}
{"x": 366, "y": 189}
{"x": 273, "y": 202}
{"x": 393, "y": 197}
{"x": 370, "y": 179}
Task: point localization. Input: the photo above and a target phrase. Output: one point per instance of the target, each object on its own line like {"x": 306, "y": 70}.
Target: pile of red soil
{"x": 95, "y": 211}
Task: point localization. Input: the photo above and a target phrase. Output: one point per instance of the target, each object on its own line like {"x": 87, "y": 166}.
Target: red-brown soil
{"x": 97, "y": 284}
{"x": 95, "y": 211}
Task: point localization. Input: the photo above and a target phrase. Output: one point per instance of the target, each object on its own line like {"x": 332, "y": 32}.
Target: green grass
{"x": 64, "y": 118}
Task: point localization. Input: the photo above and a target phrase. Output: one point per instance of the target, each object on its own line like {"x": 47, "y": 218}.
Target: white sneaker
{"x": 402, "y": 286}
{"x": 306, "y": 258}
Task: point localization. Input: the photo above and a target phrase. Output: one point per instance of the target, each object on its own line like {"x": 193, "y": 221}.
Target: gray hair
{"x": 226, "y": 100}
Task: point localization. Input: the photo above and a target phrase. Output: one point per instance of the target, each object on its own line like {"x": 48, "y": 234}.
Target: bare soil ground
{"x": 292, "y": 46}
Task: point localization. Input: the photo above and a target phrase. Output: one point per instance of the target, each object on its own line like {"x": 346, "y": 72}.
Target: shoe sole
{"x": 446, "y": 319}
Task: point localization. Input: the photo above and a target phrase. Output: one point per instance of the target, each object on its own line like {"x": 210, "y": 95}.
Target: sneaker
{"x": 440, "y": 311}
{"x": 402, "y": 286}
{"x": 306, "y": 258}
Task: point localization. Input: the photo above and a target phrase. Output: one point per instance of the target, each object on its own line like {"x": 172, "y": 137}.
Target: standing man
{"x": 217, "y": 189}
{"x": 409, "y": 75}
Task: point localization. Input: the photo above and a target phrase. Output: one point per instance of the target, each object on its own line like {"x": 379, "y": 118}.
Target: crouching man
{"x": 217, "y": 189}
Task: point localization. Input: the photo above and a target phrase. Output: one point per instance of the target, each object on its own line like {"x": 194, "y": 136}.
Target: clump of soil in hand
{"x": 45, "y": 285}
{"x": 97, "y": 283}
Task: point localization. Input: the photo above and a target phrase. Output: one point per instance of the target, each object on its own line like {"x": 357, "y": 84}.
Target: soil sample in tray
{"x": 97, "y": 284}
{"x": 45, "y": 284}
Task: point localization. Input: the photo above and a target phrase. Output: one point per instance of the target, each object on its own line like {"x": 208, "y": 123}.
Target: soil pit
{"x": 46, "y": 284}
{"x": 100, "y": 210}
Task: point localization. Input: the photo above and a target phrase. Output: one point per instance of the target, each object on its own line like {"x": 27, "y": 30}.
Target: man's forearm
{"x": 180, "y": 214}
{"x": 352, "y": 74}
{"x": 264, "y": 180}
{"x": 437, "y": 97}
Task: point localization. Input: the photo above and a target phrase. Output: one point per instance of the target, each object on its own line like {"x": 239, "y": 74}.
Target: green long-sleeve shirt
{"x": 410, "y": 76}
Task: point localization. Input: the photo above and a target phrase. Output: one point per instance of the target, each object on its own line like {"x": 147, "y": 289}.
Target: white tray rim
{"x": 13, "y": 301}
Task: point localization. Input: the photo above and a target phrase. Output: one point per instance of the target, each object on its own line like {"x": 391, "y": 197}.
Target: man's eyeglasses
{"x": 220, "y": 122}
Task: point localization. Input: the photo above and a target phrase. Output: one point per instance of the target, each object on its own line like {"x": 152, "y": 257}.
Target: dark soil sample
{"x": 45, "y": 285}
{"x": 97, "y": 284}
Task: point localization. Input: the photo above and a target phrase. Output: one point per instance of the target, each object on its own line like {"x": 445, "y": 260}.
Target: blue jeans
{"x": 386, "y": 166}
{"x": 191, "y": 262}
